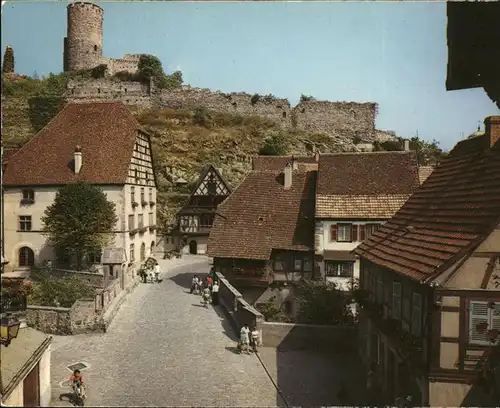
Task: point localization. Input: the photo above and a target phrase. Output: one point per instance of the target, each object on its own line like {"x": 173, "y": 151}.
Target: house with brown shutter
{"x": 195, "y": 218}
{"x": 355, "y": 194}
{"x": 264, "y": 231}
{"x": 100, "y": 143}
{"x": 431, "y": 315}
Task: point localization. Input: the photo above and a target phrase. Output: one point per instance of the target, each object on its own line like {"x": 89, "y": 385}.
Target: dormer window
{"x": 28, "y": 196}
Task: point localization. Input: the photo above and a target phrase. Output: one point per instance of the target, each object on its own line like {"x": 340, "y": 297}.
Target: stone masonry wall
{"x": 343, "y": 120}
{"x": 83, "y": 317}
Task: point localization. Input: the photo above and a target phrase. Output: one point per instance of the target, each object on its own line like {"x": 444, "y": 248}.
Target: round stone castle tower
{"x": 83, "y": 41}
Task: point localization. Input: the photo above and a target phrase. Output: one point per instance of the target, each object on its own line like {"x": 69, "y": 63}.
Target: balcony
{"x": 195, "y": 229}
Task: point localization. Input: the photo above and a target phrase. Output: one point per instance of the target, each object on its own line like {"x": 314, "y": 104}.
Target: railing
{"x": 13, "y": 302}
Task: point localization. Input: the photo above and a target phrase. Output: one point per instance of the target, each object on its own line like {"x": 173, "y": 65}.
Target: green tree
{"x": 275, "y": 145}
{"x": 80, "y": 221}
{"x": 174, "y": 80}
{"x": 322, "y": 304}
{"x": 150, "y": 68}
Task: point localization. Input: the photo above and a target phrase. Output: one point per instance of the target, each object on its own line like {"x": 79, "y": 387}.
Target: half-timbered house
{"x": 99, "y": 143}
{"x": 196, "y": 217}
{"x": 264, "y": 231}
{"x": 430, "y": 322}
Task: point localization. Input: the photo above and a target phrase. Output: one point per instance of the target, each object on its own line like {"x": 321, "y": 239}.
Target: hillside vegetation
{"x": 184, "y": 141}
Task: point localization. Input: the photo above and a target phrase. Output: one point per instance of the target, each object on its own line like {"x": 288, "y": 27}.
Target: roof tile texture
{"x": 365, "y": 185}
{"x": 260, "y": 215}
{"x": 106, "y": 133}
{"x": 454, "y": 210}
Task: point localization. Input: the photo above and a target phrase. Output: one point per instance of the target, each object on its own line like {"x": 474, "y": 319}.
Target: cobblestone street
{"x": 164, "y": 349}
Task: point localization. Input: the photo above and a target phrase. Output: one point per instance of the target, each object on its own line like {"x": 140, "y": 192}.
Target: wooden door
{"x": 31, "y": 388}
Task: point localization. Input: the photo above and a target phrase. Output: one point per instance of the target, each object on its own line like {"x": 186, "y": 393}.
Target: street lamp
{"x": 9, "y": 330}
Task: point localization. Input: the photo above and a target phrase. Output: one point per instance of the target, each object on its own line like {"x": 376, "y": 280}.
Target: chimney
{"x": 316, "y": 155}
{"x": 77, "y": 157}
{"x": 492, "y": 129}
{"x": 407, "y": 145}
{"x": 287, "y": 173}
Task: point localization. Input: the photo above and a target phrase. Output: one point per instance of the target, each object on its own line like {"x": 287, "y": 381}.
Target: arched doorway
{"x": 143, "y": 252}
{"x": 193, "y": 247}
{"x": 153, "y": 248}
{"x": 26, "y": 257}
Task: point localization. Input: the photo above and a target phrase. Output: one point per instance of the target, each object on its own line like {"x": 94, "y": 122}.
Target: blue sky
{"x": 392, "y": 53}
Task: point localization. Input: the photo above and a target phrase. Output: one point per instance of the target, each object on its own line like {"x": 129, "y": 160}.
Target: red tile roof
{"x": 453, "y": 211}
{"x": 424, "y": 172}
{"x": 106, "y": 133}
{"x": 260, "y": 215}
{"x": 365, "y": 185}
{"x": 277, "y": 163}
{"x": 8, "y": 153}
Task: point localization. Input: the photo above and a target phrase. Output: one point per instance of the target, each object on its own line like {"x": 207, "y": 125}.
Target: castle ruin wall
{"x": 275, "y": 109}
{"x": 341, "y": 120}
{"x": 336, "y": 118}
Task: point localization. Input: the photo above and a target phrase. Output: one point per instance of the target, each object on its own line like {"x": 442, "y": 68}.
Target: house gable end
{"x": 140, "y": 169}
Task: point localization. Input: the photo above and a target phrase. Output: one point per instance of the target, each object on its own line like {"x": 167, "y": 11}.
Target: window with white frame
{"x": 396, "y": 300}
{"x": 132, "y": 253}
{"x": 131, "y": 222}
{"x": 150, "y": 195}
{"x": 25, "y": 223}
{"x": 484, "y": 316}
{"x": 278, "y": 264}
{"x": 344, "y": 232}
{"x": 29, "y": 195}
{"x": 151, "y": 219}
{"x": 416, "y": 314}
{"x": 132, "y": 194}
{"x": 339, "y": 269}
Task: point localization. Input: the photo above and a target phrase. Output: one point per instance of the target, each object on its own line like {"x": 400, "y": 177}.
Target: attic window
{"x": 261, "y": 219}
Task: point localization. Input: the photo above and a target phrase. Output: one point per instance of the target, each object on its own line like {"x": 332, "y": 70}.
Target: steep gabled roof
{"x": 455, "y": 209}
{"x": 277, "y": 163}
{"x": 365, "y": 185}
{"x": 261, "y": 215}
{"x": 106, "y": 133}
{"x": 200, "y": 196}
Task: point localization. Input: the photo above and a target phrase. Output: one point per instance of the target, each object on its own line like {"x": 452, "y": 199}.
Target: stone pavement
{"x": 164, "y": 349}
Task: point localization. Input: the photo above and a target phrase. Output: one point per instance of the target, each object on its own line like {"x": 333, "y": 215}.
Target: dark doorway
{"x": 31, "y": 390}
{"x": 193, "y": 247}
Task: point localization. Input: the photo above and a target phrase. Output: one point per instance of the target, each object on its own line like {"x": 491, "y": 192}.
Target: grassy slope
{"x": 224, "y": 140}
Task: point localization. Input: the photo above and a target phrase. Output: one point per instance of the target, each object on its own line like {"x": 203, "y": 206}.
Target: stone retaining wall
{"x": 240, "y": 312}
{"x": 284, "y": 336}
{"x": 86, "y": 315}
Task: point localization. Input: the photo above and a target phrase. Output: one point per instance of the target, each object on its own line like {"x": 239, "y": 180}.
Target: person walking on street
{"x": 206, "y": 297}
{"x": 194, "y": 284}
{"x": 157, "y": 272}
{"x": 254, "y": 339}
{"x": 245, "y": 339}
{"x": 215, "y": 293}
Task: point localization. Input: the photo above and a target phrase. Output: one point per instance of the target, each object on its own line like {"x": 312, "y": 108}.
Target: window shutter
{"x": 354, "y": 232}
{"x": 333, "y": 232}
{"x": 396, "y": 300}
{"x": 416, "y": 314}
{"x": 478, "y": 314}
{"x": 495, "y": 318}
{"x": 362, "y": 232}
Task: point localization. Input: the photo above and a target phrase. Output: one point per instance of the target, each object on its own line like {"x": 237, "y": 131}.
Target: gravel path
{"x": 164, "y": 349}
